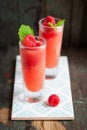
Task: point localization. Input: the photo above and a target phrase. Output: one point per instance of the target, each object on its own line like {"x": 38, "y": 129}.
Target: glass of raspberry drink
{"x": 51, "y": 29}
{"x": 33, "y": 52}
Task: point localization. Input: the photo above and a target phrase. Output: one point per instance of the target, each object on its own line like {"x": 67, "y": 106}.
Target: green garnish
{"x": 24, "y": 30}
{"x": 59, "y": 23}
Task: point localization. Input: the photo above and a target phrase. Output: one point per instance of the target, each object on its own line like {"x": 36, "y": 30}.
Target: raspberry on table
{"x": 53, "y": 100}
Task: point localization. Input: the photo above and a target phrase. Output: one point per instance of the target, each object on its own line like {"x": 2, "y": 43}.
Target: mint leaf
{"x": 24, "y": 30}
{"x": 60, "y": 22}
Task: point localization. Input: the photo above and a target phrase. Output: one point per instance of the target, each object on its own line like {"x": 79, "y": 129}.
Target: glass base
{"x": 33, "y": 96}
{"x": 51, "y": 73}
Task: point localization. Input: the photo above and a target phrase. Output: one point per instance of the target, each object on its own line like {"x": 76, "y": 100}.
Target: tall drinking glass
{"x": 53, "y": 37}
{"x": 33, "y": 69}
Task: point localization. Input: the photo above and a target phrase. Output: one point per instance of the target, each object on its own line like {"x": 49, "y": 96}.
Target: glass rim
{"x": 35, "y": 47}
{"x": 40, "y": 23}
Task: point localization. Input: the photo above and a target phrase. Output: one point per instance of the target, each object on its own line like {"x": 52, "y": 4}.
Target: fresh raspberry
{"x": 53, "y": 100}
{"x": 49, "y": 19}
{"x": 38, "y": 43}
{"x": 29, "y": 41}
{"x": 45, "y": 23}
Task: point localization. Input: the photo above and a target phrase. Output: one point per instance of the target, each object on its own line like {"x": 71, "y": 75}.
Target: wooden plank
{"x": 83, "y": 36}
{"x": 76, "y": 26}
{"x": 48, "y": 125}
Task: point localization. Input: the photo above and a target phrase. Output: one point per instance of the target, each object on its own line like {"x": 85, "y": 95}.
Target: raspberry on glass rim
{"x": 29, "y": 41}
{"x": 49, "y": 19}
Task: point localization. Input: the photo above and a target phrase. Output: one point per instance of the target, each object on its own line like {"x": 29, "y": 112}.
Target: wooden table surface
{"x": 78, "y": 74}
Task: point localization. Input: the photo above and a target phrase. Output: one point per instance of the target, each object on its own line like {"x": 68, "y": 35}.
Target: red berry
{"x": 53, "y": 100}
{"x": 50, "y": 19}
{"x": 29, "y": 41}
{"x": 38, "y": 44}
{"x": 45, "y": 23}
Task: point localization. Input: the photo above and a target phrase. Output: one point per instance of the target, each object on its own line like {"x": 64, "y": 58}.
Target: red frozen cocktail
{"x": 33, "y": 52}
{"x": 52, "y": 32}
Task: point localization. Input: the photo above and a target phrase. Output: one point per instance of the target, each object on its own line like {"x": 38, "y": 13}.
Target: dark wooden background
{"x": 15, "y": 12}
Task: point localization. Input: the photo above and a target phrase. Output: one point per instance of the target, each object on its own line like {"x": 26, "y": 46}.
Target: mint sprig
{"x": 24, "y": 30}
{"x": 59, "y": 23}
